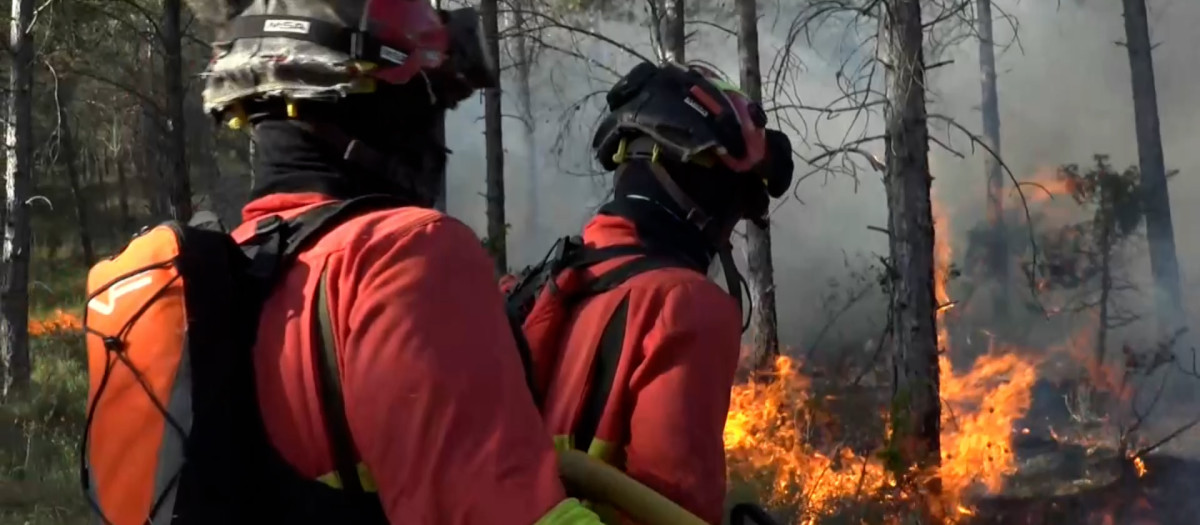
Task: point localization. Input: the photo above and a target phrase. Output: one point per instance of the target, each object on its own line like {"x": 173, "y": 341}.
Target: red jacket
{"x": 434, "y": 391}
{"x": 665, "y": 415}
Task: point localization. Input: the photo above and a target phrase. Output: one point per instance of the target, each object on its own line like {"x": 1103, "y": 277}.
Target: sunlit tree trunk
{"x": 1156, "y": 198}
{"x": 760, "y": 274}
{"x": 997, "y": 259}
{"x": 493, "y": 133}
{"x": 916, "y": 406}
{"x": 18, "y": 139}
{"x": 671, "y": 27}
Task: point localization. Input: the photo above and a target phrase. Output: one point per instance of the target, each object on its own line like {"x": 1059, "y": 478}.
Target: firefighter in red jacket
{"x": 692, "y": 157}
{"x": 342, "y": 100}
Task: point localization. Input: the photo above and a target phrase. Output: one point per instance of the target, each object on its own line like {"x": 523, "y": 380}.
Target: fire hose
{"x": 595, "y": 480}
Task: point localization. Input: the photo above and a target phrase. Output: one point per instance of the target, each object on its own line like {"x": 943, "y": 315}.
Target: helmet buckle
{"x": 697, "y": 217}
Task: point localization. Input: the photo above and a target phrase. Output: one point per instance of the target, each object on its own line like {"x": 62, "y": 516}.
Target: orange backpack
{"x": 173, "y": 433}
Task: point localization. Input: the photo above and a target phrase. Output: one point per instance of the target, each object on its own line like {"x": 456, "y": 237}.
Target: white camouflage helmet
{"x": 327, "y": 49}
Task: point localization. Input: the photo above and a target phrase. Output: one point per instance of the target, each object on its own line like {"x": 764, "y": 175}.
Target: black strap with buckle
{"x": 356, "y": 44}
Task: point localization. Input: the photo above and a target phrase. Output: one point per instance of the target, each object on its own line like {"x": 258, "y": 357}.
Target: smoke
{"x": 1064, "y": 95}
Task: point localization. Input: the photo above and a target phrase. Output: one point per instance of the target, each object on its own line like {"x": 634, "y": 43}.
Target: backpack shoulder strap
{"x": 604, "y": 372}
{"x": 275, "y": 245}
{"x": 612, "y": 341}
{"x": 311, "y": 225}
{"x": 628, "y": 270}
{"x": 276, "y": 242}
{"x": 329, "y": 386}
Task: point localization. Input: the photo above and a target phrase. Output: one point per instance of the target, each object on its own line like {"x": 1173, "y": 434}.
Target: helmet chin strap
{"x": 703, "y": 222}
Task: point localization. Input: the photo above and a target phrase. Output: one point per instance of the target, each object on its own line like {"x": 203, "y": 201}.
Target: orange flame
{"x": 1046, "y": 183}
{"x": 770, "y": 427}
{"x": 1139, "y": 466}
{"x": 767, "y": 437}
{"x": 59, "y": 322}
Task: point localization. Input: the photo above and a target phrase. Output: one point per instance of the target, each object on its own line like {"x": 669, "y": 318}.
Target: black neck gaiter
{"x": 288, "y": 159}
{"x": 658, "y": 220}
{"x": 291, "y": 157}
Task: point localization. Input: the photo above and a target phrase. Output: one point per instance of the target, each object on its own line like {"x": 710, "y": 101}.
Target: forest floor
{"x": 39, "y": 433}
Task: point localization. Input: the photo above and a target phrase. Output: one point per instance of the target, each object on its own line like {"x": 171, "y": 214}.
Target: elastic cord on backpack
{"x": 115, "y": 353}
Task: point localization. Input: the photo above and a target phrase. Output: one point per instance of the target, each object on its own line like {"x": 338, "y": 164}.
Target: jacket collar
{"x": 285, "y": 204}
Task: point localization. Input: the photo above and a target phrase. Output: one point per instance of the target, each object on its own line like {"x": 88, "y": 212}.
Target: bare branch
{"x": 36, "y": 13}
{"x": 975, "y": 140}
{"x": 1167, "y": 439}
{"x": 550, "y": 22}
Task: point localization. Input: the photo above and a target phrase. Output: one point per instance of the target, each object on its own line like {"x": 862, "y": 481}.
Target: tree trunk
{"x": 1155, "y": 196}
{"x": 127, "y": 222}
{"x": 493, "y": 130}
{"x": 179, "y": 190}
{"x": 760, "y": 274}
{"x": 66, "y": 94}
{"x": 997, "y": 258}
{"x": 250, "y": 152}
{"x": 18, "y": 138}
{"x": 439, "y": 134}
{"x": 149, "y": 176}
{"x": 524, "y": 57}
{"x": 671, "y": 29}
{"x": 1106, "y": 281}
{"x": 916, "y": 408}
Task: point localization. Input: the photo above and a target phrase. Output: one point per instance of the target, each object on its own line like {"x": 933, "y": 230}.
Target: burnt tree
{"x": 523, "y": 56}
{"x": 439, "y": 134}
{"x": 1155, "y": 196}
{"x": 493, "y": 132}
{"x": 760, "y": 270}
{"x": 997, "y": 254}
{"x": 916, "y": 409}
{"x": 179, "y": 188}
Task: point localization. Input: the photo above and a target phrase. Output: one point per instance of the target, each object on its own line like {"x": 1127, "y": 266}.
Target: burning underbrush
{"x": 813, "y": 444}
{"x": 782, "y": 435}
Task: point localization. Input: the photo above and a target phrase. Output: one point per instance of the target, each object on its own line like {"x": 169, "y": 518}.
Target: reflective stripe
{"x": 599, "y": 448}
{"x": 726, "y": 86}
{"x": 569, "y": 512}
{"x": 564, "y": 442}
{"x": 364, "y": 477}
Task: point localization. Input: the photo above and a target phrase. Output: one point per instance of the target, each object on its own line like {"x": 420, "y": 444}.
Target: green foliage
{"x": 39, "y": 437}
{"x": 1115, "y": 196}
{"x": 1075, "y": 255}
{"x": 39, "y": 433}
{"x": 55, "y": 283}
{"x": 496, "y": 246}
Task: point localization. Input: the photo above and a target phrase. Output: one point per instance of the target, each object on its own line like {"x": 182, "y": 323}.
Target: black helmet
{"x": 692, "y": 115}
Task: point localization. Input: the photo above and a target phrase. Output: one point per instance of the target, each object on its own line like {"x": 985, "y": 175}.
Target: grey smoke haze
{"x": 1064, "y": 98}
